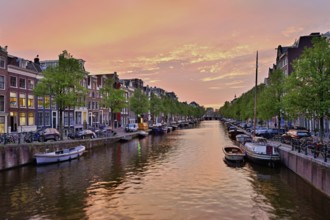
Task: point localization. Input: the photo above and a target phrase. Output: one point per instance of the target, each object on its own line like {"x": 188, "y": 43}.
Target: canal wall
{"x": 313, "y": 170}
{"x": 12, "y": 156}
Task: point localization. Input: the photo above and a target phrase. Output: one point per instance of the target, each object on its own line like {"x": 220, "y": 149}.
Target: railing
{"x": 29, "y": 137}
{"x": 314, "y": 149}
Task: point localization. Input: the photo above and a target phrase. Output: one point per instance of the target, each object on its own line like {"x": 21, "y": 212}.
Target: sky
{"x": 203, "y": 50}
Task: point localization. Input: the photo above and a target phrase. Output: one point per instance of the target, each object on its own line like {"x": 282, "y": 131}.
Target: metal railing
{"x": 314, "y": 149}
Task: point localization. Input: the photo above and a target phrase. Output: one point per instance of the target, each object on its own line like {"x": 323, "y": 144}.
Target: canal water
{"x": 181, "y": 175}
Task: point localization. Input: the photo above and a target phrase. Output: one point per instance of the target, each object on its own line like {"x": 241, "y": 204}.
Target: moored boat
{"x": 242, "y": 138}
{"x": 262, "y": 152}
{"x": 233, "y": 153}
{"x": 59, "y": 156}
{"x": 126, "y": 138}
{"x": 234, "y": 132}
{"x": 142, "y": 134}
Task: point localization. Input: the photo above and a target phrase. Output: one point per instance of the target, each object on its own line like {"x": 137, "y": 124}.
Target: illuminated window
{"x": 22, "y": 100}
{"x": 22, "y": 118}
{"x": 31, "y": 101}
{"x": 13, "y": 99}
{"x": 47, "y": 102}
{"x": 31, "y": 118}
{"x": 2, "y": 124}
{"x": 40, "y": 102}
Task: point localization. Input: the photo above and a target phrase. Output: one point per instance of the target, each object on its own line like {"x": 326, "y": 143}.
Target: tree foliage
{"x": 156, "y": 106}
{"x": 271, "y": 98}
{"x": 307, "y": 88}
{"x": 139, "y": 102}
{"x": 62, "y": 83}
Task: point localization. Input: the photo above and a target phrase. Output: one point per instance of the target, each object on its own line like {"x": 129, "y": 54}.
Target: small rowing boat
{"x": 233, "y": 153}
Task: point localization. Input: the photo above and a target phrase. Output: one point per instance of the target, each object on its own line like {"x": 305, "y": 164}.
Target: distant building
{"x": 287, "y": 54}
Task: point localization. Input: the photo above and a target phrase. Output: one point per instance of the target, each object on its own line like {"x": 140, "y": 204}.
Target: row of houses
{"x": 22, "y": 111}
{"x": 284, "y": 61}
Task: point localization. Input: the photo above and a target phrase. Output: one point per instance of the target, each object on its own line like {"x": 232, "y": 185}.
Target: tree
{"x": 308, "y": 86}
{"x": 62, "y": 82}
{"x": 271, "y": 98}
{"x": 112, "y": 98}
{"x": 155, "y": 106}
{"x": 139, "y": 102}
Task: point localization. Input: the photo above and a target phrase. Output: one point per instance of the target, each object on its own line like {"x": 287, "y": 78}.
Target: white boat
{"x": 262, "y": 152}
{"x": 142, "y": 134}
{"x": 59, "y": 156}
{"x": 242, "y": 138}
{"x": 233, "y": 153}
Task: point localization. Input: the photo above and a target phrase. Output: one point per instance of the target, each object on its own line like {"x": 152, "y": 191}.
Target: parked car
{"x": 131, "y": 127}
{"x": 105, "y": 132}
{"x": 46, "y": 134}
{"x": 295, "y": 134}
{"x": 83, "y": 134}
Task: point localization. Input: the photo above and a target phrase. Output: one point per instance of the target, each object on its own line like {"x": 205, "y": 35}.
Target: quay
{"x": 15, "y": 155}
{"x": 314, "y": 170}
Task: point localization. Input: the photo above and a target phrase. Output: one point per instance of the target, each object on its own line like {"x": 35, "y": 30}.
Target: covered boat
{"x": 59, "y": 156}
{"x": 262, "y": 152}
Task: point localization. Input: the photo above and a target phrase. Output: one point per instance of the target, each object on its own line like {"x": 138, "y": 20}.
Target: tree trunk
{"x": 61, "y": 123}
{"x": 321, "y": 128}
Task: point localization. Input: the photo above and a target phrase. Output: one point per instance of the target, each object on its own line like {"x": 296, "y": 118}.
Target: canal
{"x": 181, "y": 175}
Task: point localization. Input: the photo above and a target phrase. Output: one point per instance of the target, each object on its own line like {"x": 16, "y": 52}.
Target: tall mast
{"x": 255, "y": 98}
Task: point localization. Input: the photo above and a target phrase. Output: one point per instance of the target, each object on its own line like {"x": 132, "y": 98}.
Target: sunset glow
{"x": 204, "y": 51}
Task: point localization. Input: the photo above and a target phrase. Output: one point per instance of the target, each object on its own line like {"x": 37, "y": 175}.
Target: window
{"x": 22, "y": 100}
{"x": 22, "y": 118}
{"x": 2, "y": 62}
{"x": 47, "y": 118}
{"x": 31, "y": 118}
{"x": 2, "y": 124}
{"x": 71, "y": 118}
{"x": 47, "y": 102}
{"x": 30, "y": 84}
{"x": 30, "y": 101}
{"x": 40, "y": 102}
{"x": 66, "y": 118}
{"x": 13, "y": 100}
{"x": 13, "y": 81}
{"x": 2, "y": 103}
{"x": 78, "y": 118}
{"x": 2, "y": 82}
{"x": 40, "y": 118}
{"x": 22, "y": 83}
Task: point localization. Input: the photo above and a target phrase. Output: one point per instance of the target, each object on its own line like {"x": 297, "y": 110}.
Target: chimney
{"x": 36, "y": 60}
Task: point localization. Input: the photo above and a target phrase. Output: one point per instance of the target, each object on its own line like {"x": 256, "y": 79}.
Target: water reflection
{"x": 181, "y": 175}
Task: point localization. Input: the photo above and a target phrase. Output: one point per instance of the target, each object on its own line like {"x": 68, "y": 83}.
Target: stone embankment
{"x": 15, "y": 155}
